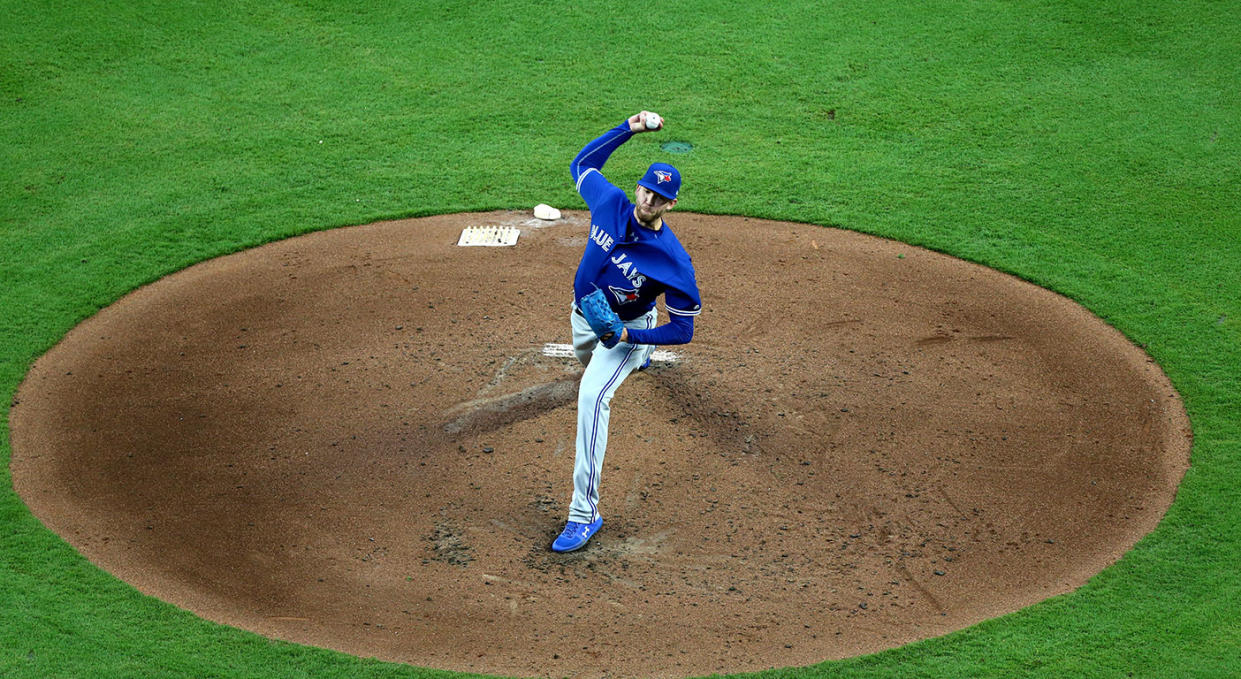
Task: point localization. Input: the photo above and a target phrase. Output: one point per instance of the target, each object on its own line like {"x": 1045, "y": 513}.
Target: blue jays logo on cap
{"x": 663, "y": 179}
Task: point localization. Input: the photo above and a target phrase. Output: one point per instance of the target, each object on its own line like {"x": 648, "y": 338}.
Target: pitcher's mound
{"x": 352, "y": 439}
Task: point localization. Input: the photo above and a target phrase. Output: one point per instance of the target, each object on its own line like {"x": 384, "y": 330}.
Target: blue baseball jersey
{"x": 631, "y": 264}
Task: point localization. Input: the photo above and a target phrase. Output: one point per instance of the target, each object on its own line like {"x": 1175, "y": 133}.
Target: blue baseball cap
{"x": 663, "y": 179}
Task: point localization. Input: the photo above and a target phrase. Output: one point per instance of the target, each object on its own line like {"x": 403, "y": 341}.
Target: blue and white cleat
{"x": 645, "y": 365}
{"x": 575, "y": 535}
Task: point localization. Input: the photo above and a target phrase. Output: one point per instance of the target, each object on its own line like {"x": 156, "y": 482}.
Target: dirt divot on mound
{"x": 351, "y": 440}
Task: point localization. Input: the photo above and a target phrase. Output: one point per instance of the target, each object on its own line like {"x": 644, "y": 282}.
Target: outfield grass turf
{"x": 1088, "y": 147}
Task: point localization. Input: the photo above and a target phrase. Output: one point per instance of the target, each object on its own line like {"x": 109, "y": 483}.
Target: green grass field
{"x": 1089, "y": 147}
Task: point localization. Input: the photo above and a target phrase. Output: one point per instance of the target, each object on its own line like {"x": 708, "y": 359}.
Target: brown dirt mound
{"x": 353, "y": 440}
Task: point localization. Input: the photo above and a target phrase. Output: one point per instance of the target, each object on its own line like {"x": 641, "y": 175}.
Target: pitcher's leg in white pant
{"x": 584, "y": 339}
{"x": 605, "y": 370}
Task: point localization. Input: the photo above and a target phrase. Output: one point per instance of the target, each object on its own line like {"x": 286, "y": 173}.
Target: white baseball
{"x": 653, "y": 121}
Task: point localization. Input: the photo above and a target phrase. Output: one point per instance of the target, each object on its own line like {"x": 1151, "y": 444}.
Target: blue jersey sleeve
{"x": 678, "y": 330}
{"x": 587, "y": 165}
{"x": 598, "y": 191}
{"x": 682, "y": 307}
{"x": 683, "y": 304}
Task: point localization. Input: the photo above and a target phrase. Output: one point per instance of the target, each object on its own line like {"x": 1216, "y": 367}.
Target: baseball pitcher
{"x": 631, "y": 258}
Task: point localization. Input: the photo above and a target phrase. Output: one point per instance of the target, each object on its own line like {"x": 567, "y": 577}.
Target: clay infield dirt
{"x": 353, "y": 439}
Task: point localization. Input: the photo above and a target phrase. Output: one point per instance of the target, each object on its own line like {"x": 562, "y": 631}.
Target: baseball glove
{"x": 602, "y": 319}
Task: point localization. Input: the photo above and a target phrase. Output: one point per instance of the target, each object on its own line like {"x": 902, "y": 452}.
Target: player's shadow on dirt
{"x": 729, "y": 423}
{"x": 496, "y": 412}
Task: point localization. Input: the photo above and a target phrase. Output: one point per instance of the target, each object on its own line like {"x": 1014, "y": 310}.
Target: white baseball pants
{"x": 605, "y": 370}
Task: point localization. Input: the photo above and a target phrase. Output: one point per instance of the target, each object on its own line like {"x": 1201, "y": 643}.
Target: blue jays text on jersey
{"x": 634, "y": 265}
{"x": 628, "y": 268}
